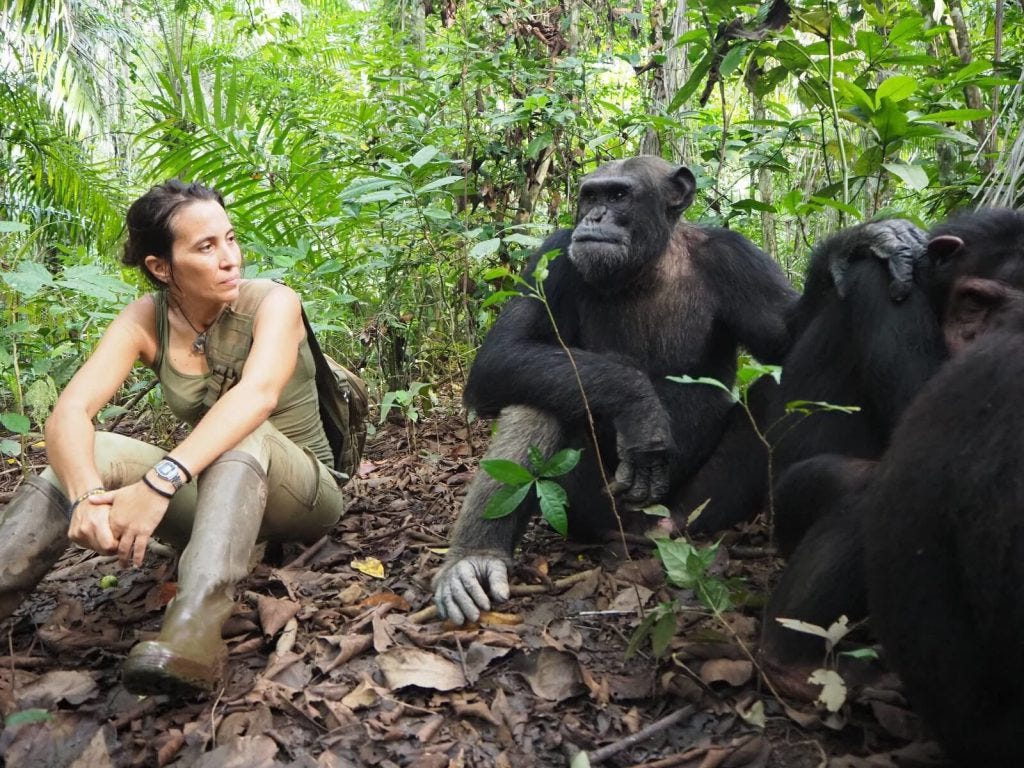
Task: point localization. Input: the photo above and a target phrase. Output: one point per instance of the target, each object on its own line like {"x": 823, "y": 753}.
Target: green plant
{"x": 687, "y": 567}
{"x": 518, "y": 479}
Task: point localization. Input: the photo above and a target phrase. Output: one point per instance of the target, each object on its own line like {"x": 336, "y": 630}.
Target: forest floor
{"x": 337, "y": 658}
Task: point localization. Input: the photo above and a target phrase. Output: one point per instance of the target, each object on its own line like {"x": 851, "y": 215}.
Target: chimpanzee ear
{"x": 943, "y": 248}
{"x": 680, "y": 187}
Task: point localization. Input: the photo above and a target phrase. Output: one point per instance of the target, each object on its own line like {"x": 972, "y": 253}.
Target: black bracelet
{"x": 179, "y": 465}
{"x": 159, "y": 491}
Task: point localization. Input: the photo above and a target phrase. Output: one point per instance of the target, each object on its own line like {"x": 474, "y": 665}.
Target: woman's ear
{"x": 159, "y": 267}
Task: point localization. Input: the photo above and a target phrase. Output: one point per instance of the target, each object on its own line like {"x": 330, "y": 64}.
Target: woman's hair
{"x": 149, "y": 222}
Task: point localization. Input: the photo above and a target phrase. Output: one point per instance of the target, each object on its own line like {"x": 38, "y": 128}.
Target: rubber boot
{"x": 189, "y": 656}
{"x": 33, "y": 536}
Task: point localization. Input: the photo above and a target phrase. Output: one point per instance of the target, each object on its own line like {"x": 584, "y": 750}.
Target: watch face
{"x": 169, "y": 472}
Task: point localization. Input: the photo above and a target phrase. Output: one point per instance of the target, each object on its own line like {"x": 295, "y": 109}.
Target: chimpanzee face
{"x": 627, "y": 211}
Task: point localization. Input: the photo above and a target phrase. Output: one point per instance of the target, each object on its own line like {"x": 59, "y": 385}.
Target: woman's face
{"x": 206, "y": 264}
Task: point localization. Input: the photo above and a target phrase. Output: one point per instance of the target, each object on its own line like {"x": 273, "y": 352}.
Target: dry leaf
{"x": 553, "y": 675}
{"x": 403, "y": 667}
{"x": 371, "y": 566}
{"x": 275, "y": 613}
{"x": 733, "y": 672}
{"x": 363, "y": 696}
{"x": 386, "y": 598}
{"x": 56, "y": 686}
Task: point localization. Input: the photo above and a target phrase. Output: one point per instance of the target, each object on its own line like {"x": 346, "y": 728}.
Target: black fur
{"x": 641, "y": 296}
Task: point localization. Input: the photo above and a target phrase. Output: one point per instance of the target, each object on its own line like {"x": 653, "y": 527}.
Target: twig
{"x": 310, "y": 552}
{"x": 144, "y": 707}
{"x": 26, "y": 662}
{"x": 131, "y": 404}
{"x": 610, "y": 750}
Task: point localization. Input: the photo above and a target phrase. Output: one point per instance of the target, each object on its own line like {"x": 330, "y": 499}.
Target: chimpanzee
{"x": 641, "y": 295}
{"x": 865, "y": 335}
{"x": 944, "y": 516}
{"x": 825, "y": 578}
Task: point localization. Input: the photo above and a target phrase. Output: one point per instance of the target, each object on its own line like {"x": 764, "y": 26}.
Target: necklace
{"x": 199, "y": 342}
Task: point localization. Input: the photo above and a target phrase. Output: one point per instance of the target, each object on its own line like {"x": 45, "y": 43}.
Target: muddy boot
{"x": 33, "y": 536}
{"x": 189, "y": 656}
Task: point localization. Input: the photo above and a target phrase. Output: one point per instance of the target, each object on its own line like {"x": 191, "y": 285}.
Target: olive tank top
{"x": 297, "y": 414}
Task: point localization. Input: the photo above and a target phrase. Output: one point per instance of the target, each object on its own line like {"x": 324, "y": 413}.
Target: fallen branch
{"x": 310, "y": 552}
{"x": 600, "y": 755}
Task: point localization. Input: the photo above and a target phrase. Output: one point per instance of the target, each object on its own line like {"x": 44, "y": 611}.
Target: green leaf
{"x": 505, "y": 500}
{"x": 12, "y": 226}
{"x": 484, "y": 248}
{"x": 424, "y": 156}
{"x": 702, "y": 380}
{"x": 582, "y": 760}
{"x": 553, "y": 504}
{"x": 16, "y": 423}
{"x": 855, "y": 95}
{"x": 914, "y": 176}
{"x": 955, "y": 115}
{"x": 507, "y": 472}
{"x": 498, "y": 297}
{"x": 861, "y": 653}
{"x": 27, "y": 716}
{"x": 536, "y": 459}
{"x": 560, "y": 463}
{"x": 9, "y": 447}
{"x": 29, "y": 278}
{"x": 732, "y": 60}
{"x": 897, "y": 88}
{"x": 447, "y": 181}
{"x": 662, "y": 632}
{"x": 839, "y": 205}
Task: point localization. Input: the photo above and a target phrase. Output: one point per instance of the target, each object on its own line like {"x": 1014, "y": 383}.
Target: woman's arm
{"x": 69, "y": 430}
{"x": 277, "y": 332}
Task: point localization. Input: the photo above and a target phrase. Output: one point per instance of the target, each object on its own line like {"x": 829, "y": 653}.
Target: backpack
{"x": 344, "y": 406}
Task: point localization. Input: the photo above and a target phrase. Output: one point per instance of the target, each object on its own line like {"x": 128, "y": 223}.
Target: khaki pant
{"x": 303, "y": 500}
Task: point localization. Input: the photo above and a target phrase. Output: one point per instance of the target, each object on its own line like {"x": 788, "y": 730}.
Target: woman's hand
{"x": 90, "y": 525}
{"x": 135, "y": 512}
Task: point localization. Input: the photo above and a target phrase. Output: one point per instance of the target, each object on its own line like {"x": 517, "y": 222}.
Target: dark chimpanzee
{"x": 944, "y": 516}
{"x": 640, "y": 296}
{"x": 865, "y": 335}
{"x": 974, "y": 271}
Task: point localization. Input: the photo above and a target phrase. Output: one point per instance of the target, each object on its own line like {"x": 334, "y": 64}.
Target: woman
{"x": 257, "y": 450}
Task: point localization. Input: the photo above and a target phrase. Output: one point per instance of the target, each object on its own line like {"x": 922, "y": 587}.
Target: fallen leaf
{"x": 403, "y": 667}
{"x": 631, "y": 599}
{"x": 553, "y": 675}
{"x": 733, "y": 672}
{"x": 57, "y": 686}
{"x": 363, "y": 696}
{"x": 274, "y": 613}
{"x": 478, "y": 657}
{"x": 386, "y": 598}
{"x": 371, "y": 566}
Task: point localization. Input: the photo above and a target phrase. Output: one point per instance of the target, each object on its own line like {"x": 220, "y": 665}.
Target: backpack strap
{"x": 230, "y": 339}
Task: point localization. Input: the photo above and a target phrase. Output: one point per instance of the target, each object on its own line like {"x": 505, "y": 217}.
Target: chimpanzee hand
{"x": 464, "y": 587}
{"x": 896, "y": 241}
{"x": 642, "y": 477}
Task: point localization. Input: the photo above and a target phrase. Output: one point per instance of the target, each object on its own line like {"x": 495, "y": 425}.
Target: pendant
{"x": 199, "y": 345}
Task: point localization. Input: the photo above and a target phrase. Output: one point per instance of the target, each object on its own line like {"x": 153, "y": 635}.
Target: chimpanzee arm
{"x": 754, "y": 296}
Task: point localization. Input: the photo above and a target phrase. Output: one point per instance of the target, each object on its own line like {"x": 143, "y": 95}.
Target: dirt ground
{"x": 337, "y": 658}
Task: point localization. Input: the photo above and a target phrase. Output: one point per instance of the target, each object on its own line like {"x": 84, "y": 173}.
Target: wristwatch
{"x": 168, "y": 470}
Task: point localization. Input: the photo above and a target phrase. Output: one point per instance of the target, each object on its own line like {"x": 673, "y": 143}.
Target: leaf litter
{"x": 337, "y": 658}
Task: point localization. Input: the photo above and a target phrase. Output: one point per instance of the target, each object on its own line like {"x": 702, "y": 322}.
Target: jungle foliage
{"x": 384, "y": 156}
